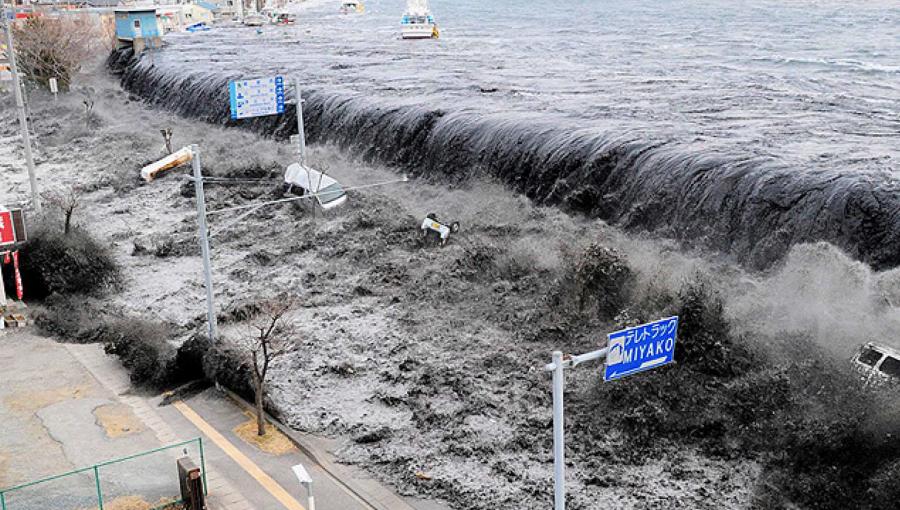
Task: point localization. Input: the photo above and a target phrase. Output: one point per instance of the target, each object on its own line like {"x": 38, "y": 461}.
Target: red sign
{"x": 7, "y": 232}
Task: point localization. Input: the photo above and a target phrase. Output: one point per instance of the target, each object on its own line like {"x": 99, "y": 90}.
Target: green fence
{"x": 148, "y": 479}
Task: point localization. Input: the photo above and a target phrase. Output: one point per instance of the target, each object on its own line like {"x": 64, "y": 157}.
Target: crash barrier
{"x": 148, "y": 480}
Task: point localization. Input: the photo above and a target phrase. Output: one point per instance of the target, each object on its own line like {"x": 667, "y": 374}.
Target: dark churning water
{"x": 740, "y": 126}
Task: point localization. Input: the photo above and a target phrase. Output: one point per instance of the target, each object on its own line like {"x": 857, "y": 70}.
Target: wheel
{"x": 454, "y": 227}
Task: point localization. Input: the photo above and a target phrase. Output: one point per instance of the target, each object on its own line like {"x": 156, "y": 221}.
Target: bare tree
{"x": 267, "y": 337}
{"x": 56, "y": 48}
{"x": 66, "y": 200}
{"x": 88, "y": 112}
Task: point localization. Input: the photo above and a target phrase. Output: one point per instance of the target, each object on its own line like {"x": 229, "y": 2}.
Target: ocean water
{"x": 816, "y": 83}
{"x": 745, "y": 127}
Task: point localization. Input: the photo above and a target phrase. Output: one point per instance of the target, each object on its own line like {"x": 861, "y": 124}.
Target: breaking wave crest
{"x": 751, "y": 208}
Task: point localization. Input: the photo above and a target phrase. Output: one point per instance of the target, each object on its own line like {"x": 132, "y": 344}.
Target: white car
{"x": 878, "y": 361}
{"x": 431, "y": 224}
{"x": 328, "y": 192}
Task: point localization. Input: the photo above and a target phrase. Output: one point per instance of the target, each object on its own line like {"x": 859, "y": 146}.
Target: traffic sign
{"x": 7, "y": 230}
{"x": 258, "y": 97}
{"x": 640, "y": 348}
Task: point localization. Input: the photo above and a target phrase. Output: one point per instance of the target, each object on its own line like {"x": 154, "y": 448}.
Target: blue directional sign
{"x": 255, "y": 98}
{"x": 640, "y": 348}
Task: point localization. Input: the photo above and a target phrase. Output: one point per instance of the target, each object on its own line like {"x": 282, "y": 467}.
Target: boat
{"x": 352, "y": 6}
{"x": 285, "y": 19}
{"x": 198, "y": 27}
{"x": 417, "y": 22}
{"x": 254, "y": 20}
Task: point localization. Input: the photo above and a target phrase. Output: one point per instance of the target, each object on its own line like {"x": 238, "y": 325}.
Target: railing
{"x": 147, "y": 480}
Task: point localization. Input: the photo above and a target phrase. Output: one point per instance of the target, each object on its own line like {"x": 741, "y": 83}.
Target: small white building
{"x": 229, "y": 9}
{"x": 174, "y": 18}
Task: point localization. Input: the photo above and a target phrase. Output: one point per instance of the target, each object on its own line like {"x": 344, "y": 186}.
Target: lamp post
{"x": 307, "y": 482}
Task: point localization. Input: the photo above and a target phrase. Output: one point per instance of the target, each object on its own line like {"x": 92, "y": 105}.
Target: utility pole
{"x": 204, "y": 243}
{"x": 300, "y": 131}
{"x": 20, "y": 104}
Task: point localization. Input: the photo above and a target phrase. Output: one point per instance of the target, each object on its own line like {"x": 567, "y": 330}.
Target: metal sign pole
{"x": 558, "y": 367}
{"x": 204, "y": 243}
{"x": 559, "y": 444}
{"x": 300, "y": 130}
{"x": 23, "y": 119}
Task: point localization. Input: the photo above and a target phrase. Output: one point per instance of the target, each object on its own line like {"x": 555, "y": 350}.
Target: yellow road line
{"x": 252, "y": 469}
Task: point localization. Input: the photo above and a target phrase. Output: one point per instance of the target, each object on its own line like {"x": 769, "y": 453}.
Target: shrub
{"x": 144, "y": 350}
{"x": 71, "y": 319}
{"x": 52, "y": 262}
{"x": 598, "y": 282}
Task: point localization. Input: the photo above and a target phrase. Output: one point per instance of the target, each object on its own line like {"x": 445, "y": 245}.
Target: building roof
{"x": 130, "y": 8}
{"x": 207, "y": 5}
{"x": 103, "y": 3}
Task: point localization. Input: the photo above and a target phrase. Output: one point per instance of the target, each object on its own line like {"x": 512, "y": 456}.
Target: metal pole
{"x": 300, "y": 130}
{"x": 559, "y": 447}
{"x": 23, "y": 120}
{"x": 99, "y": 494}
{"x": 204, "y": 243}
{"x": 310, "y": 500}
{"x": 203, "y": 467}
{"x": 2, "y": 501}
{"x": 2, "y": 298}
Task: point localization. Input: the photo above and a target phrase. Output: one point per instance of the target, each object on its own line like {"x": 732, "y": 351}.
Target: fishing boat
{"x": 417, "y": 22}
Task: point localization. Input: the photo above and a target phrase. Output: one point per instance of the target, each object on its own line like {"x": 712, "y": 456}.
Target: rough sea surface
{"x": 742, "y": 127}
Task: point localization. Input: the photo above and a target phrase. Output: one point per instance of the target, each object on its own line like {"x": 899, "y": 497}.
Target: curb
{"x": 318, "y": 456}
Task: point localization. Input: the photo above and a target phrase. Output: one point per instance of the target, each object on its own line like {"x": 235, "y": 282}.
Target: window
{"x": 869, "y": 357}
{"x": 137, "y": 23}
{"x": 891, "y": 367}
{"x": 330, "y": 193}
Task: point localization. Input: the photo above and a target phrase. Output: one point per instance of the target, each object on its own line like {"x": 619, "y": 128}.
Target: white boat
{"x": 417, "y": 22}
{"x": 352, "y": 6}
{"x": 255, "y": 20}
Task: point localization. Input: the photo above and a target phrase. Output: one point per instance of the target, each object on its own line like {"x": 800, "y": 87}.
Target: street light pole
{"x": 204, "y": 243}
{"x": 23, "y": 118}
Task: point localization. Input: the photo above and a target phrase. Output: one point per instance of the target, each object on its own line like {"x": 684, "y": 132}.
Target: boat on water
{"x": 417, "y": 22}
{"x": 255, "y": 19}
{"x": 352, "y": 6}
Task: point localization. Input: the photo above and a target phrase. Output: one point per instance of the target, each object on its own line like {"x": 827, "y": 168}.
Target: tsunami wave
{"x": 750, "y": 208}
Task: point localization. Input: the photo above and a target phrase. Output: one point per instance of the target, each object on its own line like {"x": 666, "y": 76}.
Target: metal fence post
{"x": 99, "y": 494}
{"x": 2, "y": 501}
{"x": 203, "y": 467}
{"x": 559, "y": 445}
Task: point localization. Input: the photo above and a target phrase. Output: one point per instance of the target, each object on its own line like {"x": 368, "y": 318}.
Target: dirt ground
{"x": 430, "y": 358}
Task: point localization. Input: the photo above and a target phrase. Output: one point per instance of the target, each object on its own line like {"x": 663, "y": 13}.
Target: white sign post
{"x": 54, "y": 87}
{"x": 628, "y": 351}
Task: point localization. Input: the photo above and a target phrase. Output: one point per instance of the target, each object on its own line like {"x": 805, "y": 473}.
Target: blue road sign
{"x": 640, "y": 348}
{"x": 255, "y": 98}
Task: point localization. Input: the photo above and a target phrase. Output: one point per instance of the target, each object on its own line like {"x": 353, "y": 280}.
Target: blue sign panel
{"x": 640, "y": 348}
{"x": 255, "y": 98}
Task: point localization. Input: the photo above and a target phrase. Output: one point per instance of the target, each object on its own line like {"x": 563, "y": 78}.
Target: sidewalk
{"x": 240, "y": 476}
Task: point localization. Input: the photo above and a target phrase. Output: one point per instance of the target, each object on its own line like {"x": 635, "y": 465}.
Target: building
{"x": 137, "y": 27}
{"x": 174, "y": 18}
{"x": 228, "y": 9}
{"x": 200, "y": 12}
